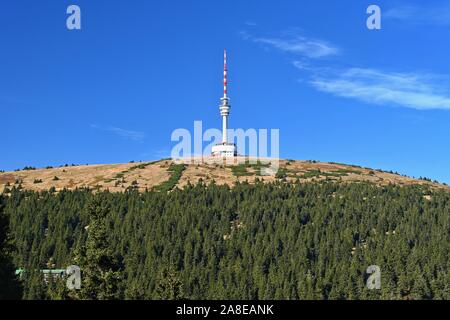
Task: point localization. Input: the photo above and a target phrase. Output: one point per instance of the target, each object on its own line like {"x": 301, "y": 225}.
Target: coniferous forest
{"x": 250, "y": 241}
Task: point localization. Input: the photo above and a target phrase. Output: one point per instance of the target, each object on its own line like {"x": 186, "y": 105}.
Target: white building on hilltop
{"x": 224, "y": 149}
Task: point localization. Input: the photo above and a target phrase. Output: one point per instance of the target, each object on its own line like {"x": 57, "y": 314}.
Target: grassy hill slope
{"x": 165, "y": 174}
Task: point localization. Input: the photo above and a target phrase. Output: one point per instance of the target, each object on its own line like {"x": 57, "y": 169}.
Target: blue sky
{"x": 137, "y": 70}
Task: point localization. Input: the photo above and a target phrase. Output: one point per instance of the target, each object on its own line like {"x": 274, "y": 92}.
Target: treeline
{"x": 262, "y": 241}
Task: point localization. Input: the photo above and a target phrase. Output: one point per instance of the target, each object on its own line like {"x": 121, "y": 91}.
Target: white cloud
{"x": 127, "y": 134}
{"x": 411, "y": 90}
{"x": 300, "y": 45}
{"x": 373, "y": 86}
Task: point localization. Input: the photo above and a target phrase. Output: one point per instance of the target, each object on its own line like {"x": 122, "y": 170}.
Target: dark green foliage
{"x": 34, "y": 284}
{"x": 281, "y": 173}
{"x": 263, "y": 241}
{"x": 9, "y": 284}
{"x": 142, "y": 165}
{"x": 56, "y": 289}
{"x": 169, "y": 285}
{"x": 134, "y": 183}
{"x": 100, "y": 270}
{"x": 240, "y": 170}
{"x": 316, "y": 173}
{"x": 312, "y": 174}
{"x": 37, "y": 181}
{"x": 176, "y": 170}
{"x": 121, "y": 174}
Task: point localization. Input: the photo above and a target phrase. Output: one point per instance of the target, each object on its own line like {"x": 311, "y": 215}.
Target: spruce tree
{"x": 100, "y": 272}
{"x": 9, "y": 283}
{"x": 169, "y": 285}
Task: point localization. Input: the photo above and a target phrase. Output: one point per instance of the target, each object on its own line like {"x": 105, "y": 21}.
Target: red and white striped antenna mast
{"x": 225, "y": 73}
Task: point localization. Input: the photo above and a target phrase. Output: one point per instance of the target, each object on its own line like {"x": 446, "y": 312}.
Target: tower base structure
{"x": 224, "y": 150}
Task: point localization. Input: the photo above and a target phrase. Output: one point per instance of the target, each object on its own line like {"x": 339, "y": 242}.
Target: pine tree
{"x": 169, "y": 285}
{"x": 9, "y": 284}
{"x": 57, "y": 289}
{"x": 100, "y": 271}
{"x": 36, "y": 288}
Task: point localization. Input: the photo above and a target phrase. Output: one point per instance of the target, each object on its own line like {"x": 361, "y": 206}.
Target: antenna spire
{"x": 224, "y": 73}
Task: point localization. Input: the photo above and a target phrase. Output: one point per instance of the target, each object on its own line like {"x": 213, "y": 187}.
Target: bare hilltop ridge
{"x": 166, "y": 174}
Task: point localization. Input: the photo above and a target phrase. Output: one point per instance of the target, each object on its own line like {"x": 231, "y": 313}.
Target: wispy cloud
{"x": 417, "y": 91}
{"x": 435, "y": 15}
{"x": 127, "y": 134}
{"x": 297, "y": 44}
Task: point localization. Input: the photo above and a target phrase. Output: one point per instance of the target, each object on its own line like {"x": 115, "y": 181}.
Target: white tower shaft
{"x": 225, "y": 129}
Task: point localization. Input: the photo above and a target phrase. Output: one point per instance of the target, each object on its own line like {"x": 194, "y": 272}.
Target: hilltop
{"x": 165, "y": 174}
{"x": 282, "y": 240}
